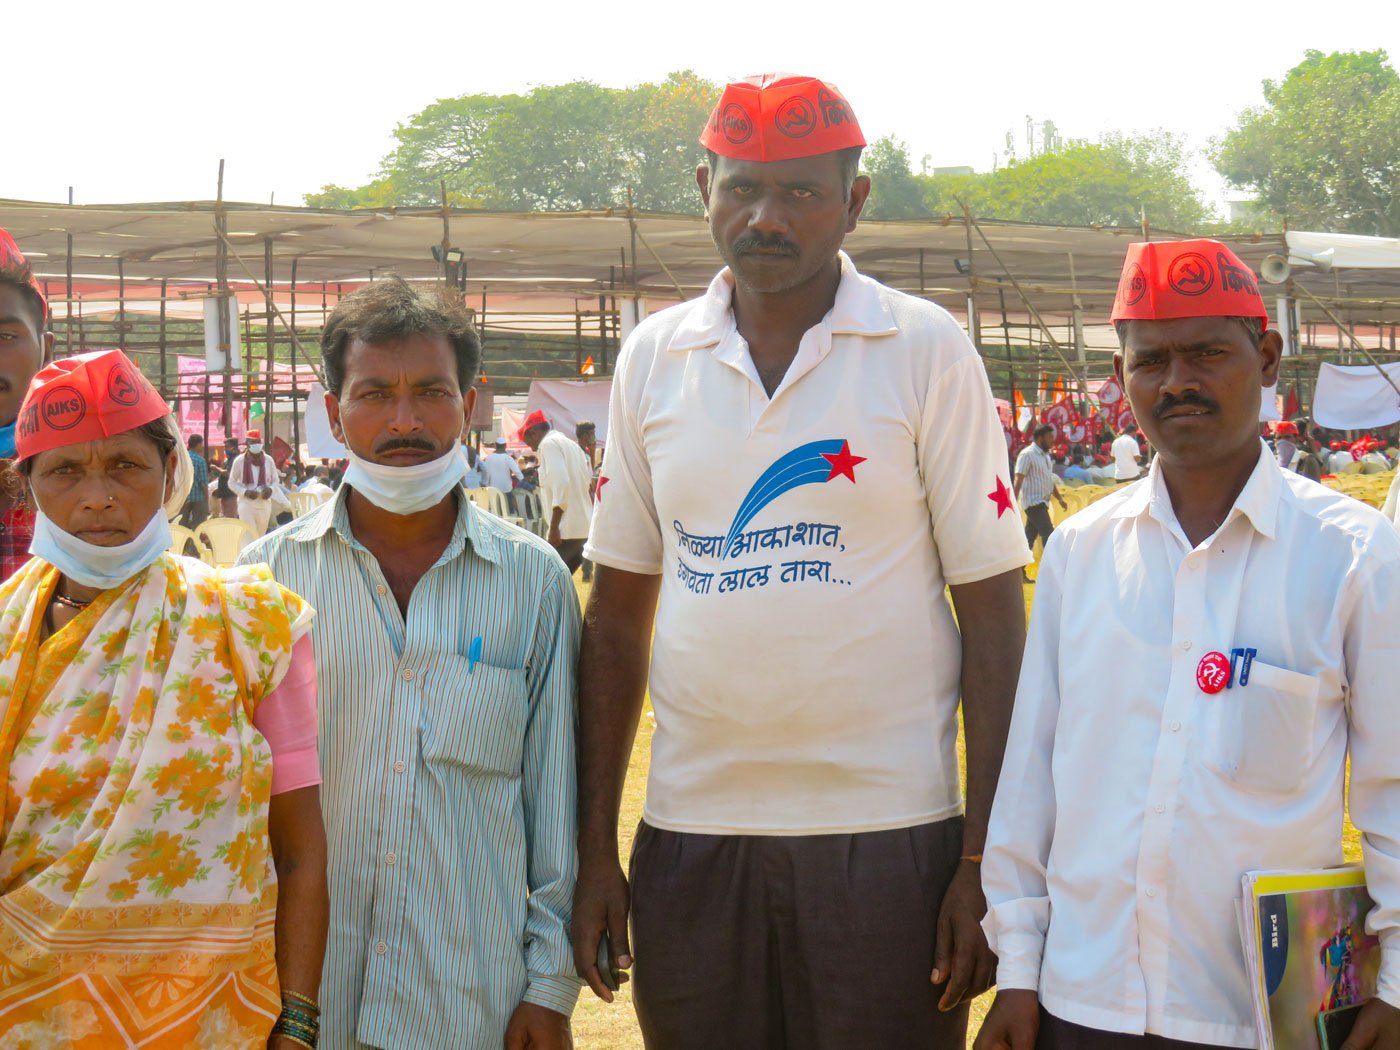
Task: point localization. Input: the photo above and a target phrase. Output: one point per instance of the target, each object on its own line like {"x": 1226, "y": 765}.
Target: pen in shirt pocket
{"x": 473, "y": 654}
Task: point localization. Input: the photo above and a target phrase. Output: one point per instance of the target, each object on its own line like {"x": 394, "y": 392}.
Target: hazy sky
{"x": 138, "y": 101}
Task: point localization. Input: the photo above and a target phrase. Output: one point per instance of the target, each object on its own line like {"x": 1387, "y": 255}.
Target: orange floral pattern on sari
{"x": 137, "y": 893}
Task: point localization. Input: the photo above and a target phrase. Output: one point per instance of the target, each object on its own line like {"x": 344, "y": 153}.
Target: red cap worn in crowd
{"x": 1163, "y": 280}
{"x": 534, "y": 419}
{"x": 253, "y": 435}
{"x": 1286, "y": 429}
{"x": 778, "y": 116}
{"x": 12, "y": 258}
{"x": 86, "y": 397}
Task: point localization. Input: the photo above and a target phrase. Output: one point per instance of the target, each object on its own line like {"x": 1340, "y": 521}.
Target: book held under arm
{"x": 1311, "y": 962}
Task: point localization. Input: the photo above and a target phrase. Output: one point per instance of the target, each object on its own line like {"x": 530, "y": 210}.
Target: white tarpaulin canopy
{"x": 1356, "y": 398}
{"x": 1343, "y": 250}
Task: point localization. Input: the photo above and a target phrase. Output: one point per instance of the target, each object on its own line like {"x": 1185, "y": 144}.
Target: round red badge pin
{"x": 1213, "y": 672}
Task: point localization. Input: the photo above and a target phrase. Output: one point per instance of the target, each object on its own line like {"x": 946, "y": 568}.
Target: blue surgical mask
{"x": 406, "y": 490}
{"x": 101, "y": 567}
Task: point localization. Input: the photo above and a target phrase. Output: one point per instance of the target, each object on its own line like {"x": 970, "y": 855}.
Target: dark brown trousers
{"x": 1061, "y": 1035}
{"x": 822, "y": 942}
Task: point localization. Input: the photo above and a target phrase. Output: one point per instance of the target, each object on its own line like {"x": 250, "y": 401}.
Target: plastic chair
{"x": 226, "y": 538}
{"x": 181, "y": 538}
{"x": 304, "y": 503}
{"x": 499, "y": 507}
{"x": 481, "y": 497}
{"x": 528, "y": 503}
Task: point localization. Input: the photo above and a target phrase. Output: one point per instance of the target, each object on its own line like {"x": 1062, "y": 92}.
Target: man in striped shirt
{"x": 445, "y": 644}
{"x": 1034, "y": 481}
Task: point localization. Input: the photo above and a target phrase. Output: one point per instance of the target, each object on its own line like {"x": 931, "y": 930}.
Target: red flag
{"x": 1290, "y": 404}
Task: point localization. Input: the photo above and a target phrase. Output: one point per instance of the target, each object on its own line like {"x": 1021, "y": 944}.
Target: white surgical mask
{"x": 255, "y": 447}
{"x": 406, "y": 490}
{"x": 93, "y": 566}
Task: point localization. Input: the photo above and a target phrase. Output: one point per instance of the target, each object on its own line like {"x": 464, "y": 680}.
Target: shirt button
{"x": 1160, "y": 809}
{"x": 399, "y": 767}
{"x": 1185, "y": 646}
{"x": 1176, "y": 727}
{"x": 380, "y": 948}
{"x": 1150, "y": 892}
{"x": 408, "y": 674}
{"x": 389, "y": 858}
{"x": 381, "y": 590}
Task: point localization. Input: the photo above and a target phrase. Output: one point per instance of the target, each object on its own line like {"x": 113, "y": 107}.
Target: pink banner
{"x": 200, "y": 395}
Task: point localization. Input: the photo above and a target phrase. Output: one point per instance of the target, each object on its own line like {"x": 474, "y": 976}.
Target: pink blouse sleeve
{"x": 287, "y": 718}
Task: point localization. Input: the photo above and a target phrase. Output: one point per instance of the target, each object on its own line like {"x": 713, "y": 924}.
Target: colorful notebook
{"x": 1307, "y": 951}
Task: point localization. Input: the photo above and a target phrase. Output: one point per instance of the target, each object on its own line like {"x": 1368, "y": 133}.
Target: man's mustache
{"x": 747, "y": 242}
{"x": 1171, "y": 402}
{"x": 397, "y": 444}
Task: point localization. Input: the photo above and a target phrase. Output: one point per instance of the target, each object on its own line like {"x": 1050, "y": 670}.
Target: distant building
{"x": 1248, "y": 211}
{"x": 961, "y": 169}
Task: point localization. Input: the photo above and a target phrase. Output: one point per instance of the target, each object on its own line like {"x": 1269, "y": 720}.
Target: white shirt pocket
{"x": 1261, "y": 735}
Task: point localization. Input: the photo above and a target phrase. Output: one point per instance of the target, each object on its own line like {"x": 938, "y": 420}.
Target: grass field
{"x": 600, "y": 1026}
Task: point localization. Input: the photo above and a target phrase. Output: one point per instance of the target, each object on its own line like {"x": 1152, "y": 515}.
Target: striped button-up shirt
{"x": 1035, "y": 469}
{"x": 447, "y": 753}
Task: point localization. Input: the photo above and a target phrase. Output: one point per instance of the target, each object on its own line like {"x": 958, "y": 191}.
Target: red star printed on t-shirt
{"x": 1001, "y": 496}
{"x": 598, "y": 492}
{"x": 843, "y": 462}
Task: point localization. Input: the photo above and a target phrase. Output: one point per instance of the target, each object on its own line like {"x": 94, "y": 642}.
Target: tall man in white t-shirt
{"x": 1147, "y": 770}
{"x": 798, "y": 463}
{"x": 1127, "y": 455}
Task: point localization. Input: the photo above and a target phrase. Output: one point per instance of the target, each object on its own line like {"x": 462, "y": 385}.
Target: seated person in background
{"x": 318, "y": 483}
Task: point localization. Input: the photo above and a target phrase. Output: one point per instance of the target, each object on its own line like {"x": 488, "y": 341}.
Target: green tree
{"x": 895, "y": 191}
{"x": 1323, "y": 152}
{"x": 661, "y": 144}
{"x": 1108, "y": 183}
{"x": 565, "y": 147}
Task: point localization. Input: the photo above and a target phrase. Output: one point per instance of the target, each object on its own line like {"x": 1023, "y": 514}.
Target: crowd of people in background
{"x": 246, "y": 481}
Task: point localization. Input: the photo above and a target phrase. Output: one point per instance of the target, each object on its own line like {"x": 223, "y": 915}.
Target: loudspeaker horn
{"x": 1275, "y": 269}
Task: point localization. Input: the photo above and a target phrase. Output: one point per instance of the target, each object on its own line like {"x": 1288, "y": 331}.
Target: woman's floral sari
{"x": 137, "y": 894}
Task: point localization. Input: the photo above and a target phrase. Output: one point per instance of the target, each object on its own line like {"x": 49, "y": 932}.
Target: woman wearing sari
{"x": 162, "y": 858}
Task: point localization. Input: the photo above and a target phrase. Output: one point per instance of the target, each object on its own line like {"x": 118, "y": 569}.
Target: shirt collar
{"x": 859, "y": 309}
{"x": 333, "y": 514}
{"x": 1258, "y": 500}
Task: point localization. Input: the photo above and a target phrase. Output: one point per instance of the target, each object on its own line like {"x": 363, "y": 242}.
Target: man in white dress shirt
{"x": 499, "y": 470}
{"x": 1135, "y": 794}
{"x": 566, "y": 482}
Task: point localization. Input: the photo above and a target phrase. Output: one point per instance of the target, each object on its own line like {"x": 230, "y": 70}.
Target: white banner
{"x": 213, "y": 352}
{"x": 1356, "y": 397}
{"x": 564, "y": 402}
{"x": 316, "y": 424}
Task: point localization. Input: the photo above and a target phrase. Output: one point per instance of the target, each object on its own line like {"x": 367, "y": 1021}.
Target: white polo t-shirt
{"x": 805, "y": 668}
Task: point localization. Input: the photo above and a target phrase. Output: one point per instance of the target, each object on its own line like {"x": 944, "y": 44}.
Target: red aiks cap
{"x": 12, "y": 257}
{"x": 778, "y": 116}
{"x": 86, "y": 397}
{"x": 534, "y": 419}
{"x": 1164, "y": 280}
